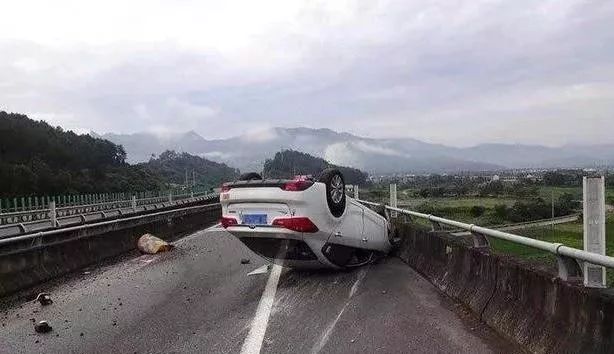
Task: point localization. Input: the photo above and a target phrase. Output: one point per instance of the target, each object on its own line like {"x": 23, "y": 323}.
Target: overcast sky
{"x": 453, "y": 72}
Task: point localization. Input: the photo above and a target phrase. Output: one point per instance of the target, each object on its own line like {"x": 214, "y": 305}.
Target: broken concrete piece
{"x": 150, "y": 244}
{"x": 44, "y": 299}
{"x": 42, "y": 327}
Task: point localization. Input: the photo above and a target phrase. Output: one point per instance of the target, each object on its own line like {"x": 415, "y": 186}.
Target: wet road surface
{"x": 199, "y": 298}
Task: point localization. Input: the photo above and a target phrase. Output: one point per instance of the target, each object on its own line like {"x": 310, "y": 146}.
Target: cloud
{"x": 460, "y": 74}
{"x": 260, "y": 135}
{"x": 372, "y": 148}
{"x": 191, "y": 110}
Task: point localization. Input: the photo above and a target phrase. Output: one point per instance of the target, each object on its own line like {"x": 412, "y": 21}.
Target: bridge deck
{"x": 199, "y": 298}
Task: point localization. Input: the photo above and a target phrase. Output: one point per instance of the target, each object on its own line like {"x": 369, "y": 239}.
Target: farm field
{"x": 568, "y": 234}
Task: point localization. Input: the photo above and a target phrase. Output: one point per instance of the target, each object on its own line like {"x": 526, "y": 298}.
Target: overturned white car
{"x": 304, "y": 222}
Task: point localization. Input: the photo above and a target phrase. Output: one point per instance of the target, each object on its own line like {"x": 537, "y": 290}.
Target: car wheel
{"x": 335, "y": 190}
{"x": 250, "y": 176}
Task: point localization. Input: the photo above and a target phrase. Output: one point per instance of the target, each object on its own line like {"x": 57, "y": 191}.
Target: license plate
{"x": 254, "y": 219}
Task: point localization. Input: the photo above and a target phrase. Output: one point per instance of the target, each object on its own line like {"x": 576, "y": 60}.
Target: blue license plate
{"x": 254, "y": 219}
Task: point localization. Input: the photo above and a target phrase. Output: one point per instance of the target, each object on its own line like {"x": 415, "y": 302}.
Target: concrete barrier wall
{"x": 29, "y": 262}
{"x": 531, "y": 307}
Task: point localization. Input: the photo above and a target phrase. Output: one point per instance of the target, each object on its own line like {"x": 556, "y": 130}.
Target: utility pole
{"x": 193, "y": 179}
{"x": 553, "y": 213}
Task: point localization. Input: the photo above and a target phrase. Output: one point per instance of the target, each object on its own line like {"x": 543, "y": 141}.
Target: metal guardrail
{"x": 568, "y": 258}
{"x": 19, "y": 205}
{"x": 42, "y": 234}
{"x": 47, "y": 212}
{"x": 84, "y": 214}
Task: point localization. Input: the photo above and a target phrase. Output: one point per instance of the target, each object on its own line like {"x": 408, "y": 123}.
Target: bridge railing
{"x": 26, "y": 209}
{"x": 569, "y": 259}
{"x": 84, "y": 214}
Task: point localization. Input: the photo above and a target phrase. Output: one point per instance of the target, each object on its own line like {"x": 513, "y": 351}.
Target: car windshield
{"x": 306, "y": 176}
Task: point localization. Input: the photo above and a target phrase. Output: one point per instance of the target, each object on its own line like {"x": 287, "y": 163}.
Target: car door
{"x": 375, "y": 230}
{"x": 349, "y": 230}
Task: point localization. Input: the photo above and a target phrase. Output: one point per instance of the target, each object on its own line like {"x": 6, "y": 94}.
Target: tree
{"x": 38, "y": 159}
{"x": 501, "y": 211}
{"x": 566, "y": 204}
{"x": 288, "y": 163}
{"x": 477, "y": 210}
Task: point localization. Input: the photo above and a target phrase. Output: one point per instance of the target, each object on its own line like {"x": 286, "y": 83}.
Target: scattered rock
{"x": 245, "y": 261}
{"x": 42, "y": 327}
{"x": 44, "y": 299}
{"x": 383, "y": 291}
{"x": 81, "y": 334}
{"x": 151, "y": 244}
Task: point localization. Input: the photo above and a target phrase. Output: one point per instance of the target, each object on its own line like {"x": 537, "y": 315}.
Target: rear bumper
{"x": 284, "y": 247}
{"x": 244, "y": 231}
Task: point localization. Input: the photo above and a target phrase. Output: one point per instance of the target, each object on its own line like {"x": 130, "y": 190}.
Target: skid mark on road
{"x": 329, "y": 329}
{"x": 213, "y": 228}
{"x": 254, "y": 339}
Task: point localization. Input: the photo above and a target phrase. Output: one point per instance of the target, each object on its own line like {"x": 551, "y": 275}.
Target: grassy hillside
{"x": 173, "y": 167}
{"x": 38, "y": 159}
{"x": 288, "y": 163}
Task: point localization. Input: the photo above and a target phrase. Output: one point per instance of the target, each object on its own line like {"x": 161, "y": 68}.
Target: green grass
{"x": 546, "y": 192}
{"x": 486, "y": 202}
{"x": 568, "y": 234}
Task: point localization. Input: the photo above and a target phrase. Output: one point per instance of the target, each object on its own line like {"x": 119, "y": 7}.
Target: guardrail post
{"x": 52, "y": 214}
{"x": 594, "y": 229}
{"x": 480, "y": 241}
{"x": 393, "y": 199}
{"x": 568, "y": 268}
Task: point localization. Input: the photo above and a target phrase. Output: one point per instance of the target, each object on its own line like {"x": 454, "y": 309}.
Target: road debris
{"x": 44, "y": 299}
{"x": 245, "y": 261}
{"x": 42, "y": 327}
{"x": 151, "y": 244}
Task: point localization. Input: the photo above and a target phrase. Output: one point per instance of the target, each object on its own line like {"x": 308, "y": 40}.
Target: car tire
{"x": 250, "y": 176}
{"x": 335, "y": 190}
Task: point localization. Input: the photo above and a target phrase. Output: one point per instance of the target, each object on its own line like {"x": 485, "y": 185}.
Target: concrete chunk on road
{"x": 42, "y": 327}
{"x": 151, "y": 244}
{"x": 44, "y": 299}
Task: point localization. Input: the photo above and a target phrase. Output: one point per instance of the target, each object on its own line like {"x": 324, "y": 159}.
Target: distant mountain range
{"x": 249, "y": 151}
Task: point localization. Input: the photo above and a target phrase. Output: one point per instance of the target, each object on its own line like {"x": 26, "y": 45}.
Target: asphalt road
{"x": 198, "y": 298}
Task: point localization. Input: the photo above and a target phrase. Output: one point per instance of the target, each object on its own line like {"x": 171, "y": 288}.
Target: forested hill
{"x": 287, "y": 163}
{"x": 174, "y": 167}
{"x": 38, "y": 159}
